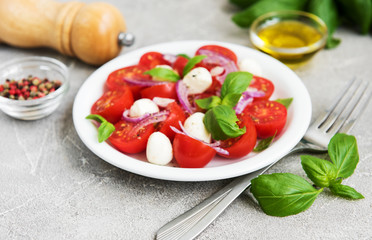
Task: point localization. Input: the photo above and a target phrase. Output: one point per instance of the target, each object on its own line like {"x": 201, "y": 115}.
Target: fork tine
{"x": 358, "y": 110}
{"x": 339, "y": 107}
{"x": 355, "y": 100}
{"x": 324, "y": 116}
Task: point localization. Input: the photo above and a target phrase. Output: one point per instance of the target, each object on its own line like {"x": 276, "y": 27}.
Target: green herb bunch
{"x": 357, "y": 13}
{"x": 284, "y": 194}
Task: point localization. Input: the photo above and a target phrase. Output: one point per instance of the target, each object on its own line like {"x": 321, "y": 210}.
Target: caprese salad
{"x": 187, "y": 109}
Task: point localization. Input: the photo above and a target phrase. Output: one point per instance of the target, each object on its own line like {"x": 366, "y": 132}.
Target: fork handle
{"x": 193, "y": 222}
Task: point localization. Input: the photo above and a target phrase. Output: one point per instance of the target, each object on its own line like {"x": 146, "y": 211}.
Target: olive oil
{"x": 296, "y": 40}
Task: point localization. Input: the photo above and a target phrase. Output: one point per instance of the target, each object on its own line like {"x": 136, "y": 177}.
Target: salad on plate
{"x": 185, "y": 110}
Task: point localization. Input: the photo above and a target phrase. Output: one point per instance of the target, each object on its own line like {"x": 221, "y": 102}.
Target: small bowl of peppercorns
{"x": 32, "y": 87}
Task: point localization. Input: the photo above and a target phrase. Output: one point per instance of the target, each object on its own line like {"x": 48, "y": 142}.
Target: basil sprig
{"x": 220, "y": 119}
{"x": 284, "y": 194}
{"x": 191, "y": 63}
{"x": 105, "y": 128}
{"x": 163, "y": 74}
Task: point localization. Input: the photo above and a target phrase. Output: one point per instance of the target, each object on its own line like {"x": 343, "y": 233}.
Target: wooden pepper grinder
{"x": 94, "y": 33}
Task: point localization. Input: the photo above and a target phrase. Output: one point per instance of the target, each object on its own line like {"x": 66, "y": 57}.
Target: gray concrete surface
{"x": 53, "y": 187}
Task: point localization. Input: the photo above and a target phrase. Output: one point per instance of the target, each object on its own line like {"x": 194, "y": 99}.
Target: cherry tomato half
{"x": 150, "y": 60}
{"x": 180, "y": 64}
{"x": 167, "y": 90}
{"x": 127, "y": 141}
{"x": 242, "y": 145}
{"x": 112, "y": 104}
{"x": 264, "y": 85}
{"x": 219, "y": 49}
{"x": 176, "y": 115}
{"x": 191, "y": 153}
{"x": 269, "y": 117}
{"x": 116, "y": 79}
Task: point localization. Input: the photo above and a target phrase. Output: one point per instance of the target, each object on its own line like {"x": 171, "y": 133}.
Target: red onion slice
{"x": 162, "y": 102}
{"x": 182, "y": 94}
{"x": 126, "y": 117}
{"x": 212, "y": 145}
{"x": 215, "y": 58}
{"x": 247, "y": 98}
{"x": 171, "y": 58}
{"x": 152, "y": 118}
{"x": 142, "y": 82}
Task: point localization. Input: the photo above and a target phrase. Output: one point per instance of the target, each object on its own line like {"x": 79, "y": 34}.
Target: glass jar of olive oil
{"x": 292, "y": 37}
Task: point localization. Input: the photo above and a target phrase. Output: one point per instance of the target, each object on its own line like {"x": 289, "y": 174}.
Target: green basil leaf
{"x": 245, "y": 18}
{"x": 235, "y": 83}
{"x": 221, "y": 122}
{"x": 163, "y": 74}
{"x": 263, "y": 144}
{"x": 285, "y": 101}
{"x": 192, "y": 62}
{"x": 327, "y": 11}
{"x": 283, "y": 194}
{"x": 358, "y": 12}
{"x": 231, "y": 99}
{"x": 343, "y": 151}
{"x": 96, "y": 117}
{"x": 243, "y": 3}
{"x": 105, "y": 129}
{"x": 320, "y": 171}
{"x": 208, "y": 103}
{"x": 345, "y": 191}
{"x": 183, "y": 55}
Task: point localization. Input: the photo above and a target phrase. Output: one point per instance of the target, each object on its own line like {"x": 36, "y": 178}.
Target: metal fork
{"x": 340, "y": 117}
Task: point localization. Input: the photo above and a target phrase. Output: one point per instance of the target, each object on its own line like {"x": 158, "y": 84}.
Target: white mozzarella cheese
{"x": 159, "y": 149}
{"x": 195, "y": 127}
{"x": 198, "y": 80}
{"x": 250, "y": 65}
{"x": 143, "y": 106}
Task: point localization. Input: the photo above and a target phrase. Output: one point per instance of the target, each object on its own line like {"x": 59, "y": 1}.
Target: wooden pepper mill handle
{"x": 94, "y": 33}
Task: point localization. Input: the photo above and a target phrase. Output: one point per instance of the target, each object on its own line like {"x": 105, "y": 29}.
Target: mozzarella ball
{"x": 159, "y": 149}
{"x": 143, "y": 106}
{"x": 250, "y": 65}
{"x": 194, "y": 126}
{"x": 198, "y": 80}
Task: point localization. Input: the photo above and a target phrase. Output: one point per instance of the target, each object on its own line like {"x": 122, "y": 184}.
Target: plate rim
{"x": 185, "y": 174}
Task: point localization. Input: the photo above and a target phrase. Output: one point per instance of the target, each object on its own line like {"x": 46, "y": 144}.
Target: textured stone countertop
{"x": 54, "y": 187}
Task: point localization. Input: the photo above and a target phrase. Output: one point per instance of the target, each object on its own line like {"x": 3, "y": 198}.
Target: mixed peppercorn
{"x": 28, "y": 88}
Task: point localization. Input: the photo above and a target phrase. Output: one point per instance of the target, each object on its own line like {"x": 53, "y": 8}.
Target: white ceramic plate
{"x": 287, "y": 84}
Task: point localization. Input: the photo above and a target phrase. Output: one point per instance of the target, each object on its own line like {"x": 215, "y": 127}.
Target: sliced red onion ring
{"x": 171, "y": 58}
{"x": 162, "y": 102}
{"x": 247, "y": 98}
{"x": 212, "y": 145}
{"x": 182, "y": 94}
{"x": 152, "y": 118}
{"x": 215, "y": 58}
{"x": 253, "y": 92}
{"x": 142, "y": 82}
{"x": 126, "y": 117}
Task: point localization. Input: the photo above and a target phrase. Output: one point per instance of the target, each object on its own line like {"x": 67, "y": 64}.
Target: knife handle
{"x": 87, "y": 31}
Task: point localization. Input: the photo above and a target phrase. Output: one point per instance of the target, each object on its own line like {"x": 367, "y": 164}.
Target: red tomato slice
{"x": 191, "y": 153}
{"x": 167, "y": 90}
{"x": 176, "y": 115}
{"x": 264, "y": 85}
{"x": 125, "y": 141}
{"x": 152, "y": 59}
{"x": 269, "y": 117}
{"x": 221, "y": 50}
{"x": 242, "y": 145}
{"x": 180, "y": 64}
{"x": 116, "y": 79}
{"x": 112, "y": 104}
